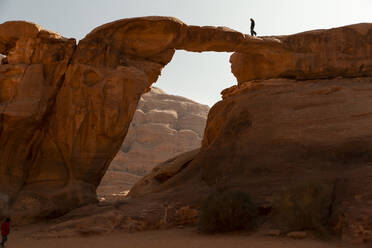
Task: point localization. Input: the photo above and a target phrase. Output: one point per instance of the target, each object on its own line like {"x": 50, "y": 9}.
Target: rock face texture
{"x": 29, "y": 84}
{"x": 163, "y": 127}
{"x": 278, "y": 133}
{"x": 65, "y": 108}
{"x": 73, "y": 105}
{"x": 272, "y": 132}
{"x": 162, "y": 173}
{"x": 319, "y": 54}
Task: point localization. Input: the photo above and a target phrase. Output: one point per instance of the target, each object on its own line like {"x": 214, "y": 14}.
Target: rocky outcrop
{"x": 65, "y": 109}
{"x": 319, "y": 54}
{"x": 281, "y": 133}
{"x": 163, "y": 127}
{"x": 162, "y": 173}
{"x": 29, "y": 83}
{"x": 271, "y": 133}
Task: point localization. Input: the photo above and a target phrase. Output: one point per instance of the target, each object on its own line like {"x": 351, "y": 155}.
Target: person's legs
{"x": 5, "y": 238}
{"x": 253, "y": 33}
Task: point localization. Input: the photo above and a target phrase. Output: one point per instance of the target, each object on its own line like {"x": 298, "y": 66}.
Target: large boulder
{"x": 162, "y": 173}
{"x": 269, "y": 136}
{"x": 280, "y": 133}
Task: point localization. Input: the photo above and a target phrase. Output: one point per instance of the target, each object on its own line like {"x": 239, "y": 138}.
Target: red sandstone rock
{"x": 319, "y": 54}
{"x": 74, "y": 104}
{"x": 37, "y": 61}
{"x": 163, "y": 127}
{"x": 269, "y": 135}
{"x": 65, "y": 111}
{"x": 162, "y": 173}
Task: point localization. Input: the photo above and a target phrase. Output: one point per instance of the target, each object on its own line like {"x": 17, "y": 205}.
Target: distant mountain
{"x": 163, "y": 127}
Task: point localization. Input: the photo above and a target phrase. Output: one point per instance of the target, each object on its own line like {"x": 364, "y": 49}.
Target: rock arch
{"x": 74, "y": 102}
{"x": 81, "y": 101}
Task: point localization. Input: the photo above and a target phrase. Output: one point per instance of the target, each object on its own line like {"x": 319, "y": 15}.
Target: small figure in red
{"x": 5, "y": 229}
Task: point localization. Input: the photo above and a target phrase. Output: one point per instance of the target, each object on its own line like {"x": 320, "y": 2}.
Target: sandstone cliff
{"x": 301, "y": 111}
{"x": 163, "y": 126}
{"x": 318, "y": 54}
{"x": 29, "y": 85}
{"x": 297, "y": 115}
{"x": 66, "y": 108}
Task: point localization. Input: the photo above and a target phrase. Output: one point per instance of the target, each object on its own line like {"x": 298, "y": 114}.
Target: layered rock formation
{"x": 265, "y": 135}
{"x": 65, "y": 109}
{"x": 29, "y": 84}
{"x": 273, "y": 133}
{"x": 163, "y": 126}
{"x": 319, "y": 54}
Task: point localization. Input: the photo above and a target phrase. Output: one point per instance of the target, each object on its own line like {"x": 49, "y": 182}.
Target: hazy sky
{"x": 200, "y": 77}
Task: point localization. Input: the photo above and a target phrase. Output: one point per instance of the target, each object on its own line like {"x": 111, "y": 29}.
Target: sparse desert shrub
{"x": 227, "y": 211}
{"x": 304, "y": 207}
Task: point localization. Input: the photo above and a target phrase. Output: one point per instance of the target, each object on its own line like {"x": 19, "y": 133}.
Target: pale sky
{"x": 198, "y": 76}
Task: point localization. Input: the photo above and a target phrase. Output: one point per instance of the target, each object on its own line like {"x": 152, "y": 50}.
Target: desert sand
{"x": 180, "y": 238}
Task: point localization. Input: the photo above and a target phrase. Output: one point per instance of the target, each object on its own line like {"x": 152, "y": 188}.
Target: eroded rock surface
{"x": 264, "y": 136}
{"x": 319, "y": 54}
{"x": 163, "y": 126}
{"x": 29, "y": 83}
{"x": 66, "y": 108}
{"x": 268, "y": 136}
{"x": 162, "y": 173}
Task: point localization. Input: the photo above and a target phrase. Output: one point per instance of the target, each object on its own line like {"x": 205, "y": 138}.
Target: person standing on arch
{"x": 253, "y": 33}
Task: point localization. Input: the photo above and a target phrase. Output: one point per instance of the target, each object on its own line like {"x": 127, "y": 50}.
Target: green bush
{"x": 227, "y": 211}
{"x": 304, "y": 207}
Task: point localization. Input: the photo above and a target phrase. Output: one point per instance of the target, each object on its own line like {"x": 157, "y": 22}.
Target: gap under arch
{"x": 189, "y": 77}
{"x": 198, "y": 76}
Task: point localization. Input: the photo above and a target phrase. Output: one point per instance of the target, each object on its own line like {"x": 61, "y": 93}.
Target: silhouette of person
{"x": 5, "y": 231}
{"x": 253, "y": 33}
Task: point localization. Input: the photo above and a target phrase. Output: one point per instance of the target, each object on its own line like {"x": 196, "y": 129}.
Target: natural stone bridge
{"x": 65, "y": 108}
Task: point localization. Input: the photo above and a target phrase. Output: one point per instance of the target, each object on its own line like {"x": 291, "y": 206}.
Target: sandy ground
{"x": 173, "y": 238}
{"x": 115, "y": 185}
{"x": 111, "y": 189}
